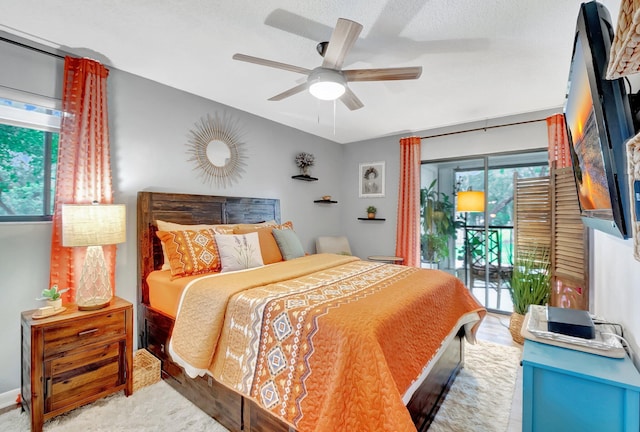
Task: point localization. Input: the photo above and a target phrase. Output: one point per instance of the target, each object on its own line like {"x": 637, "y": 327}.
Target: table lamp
{"x": 470, "y": 201}
{"x": 93, "y": 225}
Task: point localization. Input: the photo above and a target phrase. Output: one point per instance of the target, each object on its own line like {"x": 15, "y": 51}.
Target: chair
{"x": 333, "y": 244}
{"x": 481, "y": 260}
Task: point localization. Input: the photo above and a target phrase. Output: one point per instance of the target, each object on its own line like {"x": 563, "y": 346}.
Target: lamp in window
{"x": 93, "y": 225}
{"x": 470, "y": 201}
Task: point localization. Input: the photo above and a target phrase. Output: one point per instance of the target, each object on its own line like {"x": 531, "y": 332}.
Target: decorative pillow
{"x": 190, "y": 252}
{"x": 289, "y": 243}
{"x": 271, "y": 223}
{"x": 172, "y": 226}
{"x": 239, "y": 252}
{"x": 268, "y": 247}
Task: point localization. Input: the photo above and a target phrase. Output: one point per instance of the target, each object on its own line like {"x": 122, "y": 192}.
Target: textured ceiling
{"x": 481, "y": 59}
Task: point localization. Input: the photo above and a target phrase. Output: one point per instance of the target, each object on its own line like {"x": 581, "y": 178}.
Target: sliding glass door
{"x": 476, "y": 195}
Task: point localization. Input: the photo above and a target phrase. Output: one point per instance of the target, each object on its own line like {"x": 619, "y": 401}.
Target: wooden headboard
{"x": 190, "y": 209}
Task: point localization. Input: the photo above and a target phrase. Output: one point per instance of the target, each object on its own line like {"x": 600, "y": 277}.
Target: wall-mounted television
{"x": 599, "y": 122}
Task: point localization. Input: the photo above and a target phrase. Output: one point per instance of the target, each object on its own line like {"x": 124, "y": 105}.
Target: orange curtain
{"x": 84, "y": 163}
{"x": 558, "y": 141}
{"x": 408, "y": 229}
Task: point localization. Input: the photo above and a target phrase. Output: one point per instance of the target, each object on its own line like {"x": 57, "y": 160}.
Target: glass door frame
{"x": 485, "y": 162}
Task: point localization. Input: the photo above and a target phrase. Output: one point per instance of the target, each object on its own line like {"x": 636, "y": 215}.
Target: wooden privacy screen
{"x": 532, "y": 213}
{"x": 570, "y": 247}
{"x": 546, "y": 213}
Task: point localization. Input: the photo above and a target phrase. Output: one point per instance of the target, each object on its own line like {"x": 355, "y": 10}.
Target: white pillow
{"x": 239, "y": 251}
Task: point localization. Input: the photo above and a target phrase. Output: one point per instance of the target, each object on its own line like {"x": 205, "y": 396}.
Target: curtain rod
{"x": 23, "y": 45}
{"x": 483, "y": 128}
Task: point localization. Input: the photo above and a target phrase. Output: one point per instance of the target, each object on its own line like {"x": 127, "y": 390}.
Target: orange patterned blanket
{"x": 324, "y": 342}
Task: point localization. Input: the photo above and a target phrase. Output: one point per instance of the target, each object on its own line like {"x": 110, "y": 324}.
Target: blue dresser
{"x": 566, "y": 390}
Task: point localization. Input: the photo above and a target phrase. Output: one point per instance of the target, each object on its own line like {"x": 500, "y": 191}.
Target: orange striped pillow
{"x": 191, "y": 252}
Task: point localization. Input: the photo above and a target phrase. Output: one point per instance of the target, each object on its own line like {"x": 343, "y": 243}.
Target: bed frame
{"x": 229, "y": 408}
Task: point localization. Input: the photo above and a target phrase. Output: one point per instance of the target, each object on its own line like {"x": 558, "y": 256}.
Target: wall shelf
{"x": 304, "y": 177}
{"x": 372, "y": 219}
{"x": 326, "y": 201}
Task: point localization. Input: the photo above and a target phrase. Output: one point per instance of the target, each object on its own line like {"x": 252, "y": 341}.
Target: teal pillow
{"x": 289, "y": 243}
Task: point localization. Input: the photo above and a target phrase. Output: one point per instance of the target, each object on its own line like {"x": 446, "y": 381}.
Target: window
{"x": 29, "y": 137}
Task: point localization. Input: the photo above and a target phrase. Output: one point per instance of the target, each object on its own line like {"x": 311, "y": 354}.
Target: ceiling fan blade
{"x": 285, "y": 94}
{"x": 386, "y": 74}
{"x": 298, "y": 25}
{"x": 350, "y": 99}
{"x": 271, "y": 63}
{"x": 342, "y": 39}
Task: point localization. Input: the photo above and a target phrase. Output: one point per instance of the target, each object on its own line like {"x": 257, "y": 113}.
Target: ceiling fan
{"x": 329, "y": 81}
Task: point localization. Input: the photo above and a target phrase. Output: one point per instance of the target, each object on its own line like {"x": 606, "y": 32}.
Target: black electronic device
{"x": 599, "y": 122}
{"x": 570, "y": 322}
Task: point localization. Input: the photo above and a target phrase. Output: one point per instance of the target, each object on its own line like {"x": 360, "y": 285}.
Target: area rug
{"x": 151, "y": 409}
{"x": 481, "y": 396}
{"x": 479, "y": 400}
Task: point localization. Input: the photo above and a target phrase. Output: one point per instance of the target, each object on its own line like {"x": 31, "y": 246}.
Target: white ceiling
{"x": 481, "y": 59}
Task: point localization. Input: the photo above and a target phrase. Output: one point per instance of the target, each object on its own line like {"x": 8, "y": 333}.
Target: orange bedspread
{"x": 324, "y": 342}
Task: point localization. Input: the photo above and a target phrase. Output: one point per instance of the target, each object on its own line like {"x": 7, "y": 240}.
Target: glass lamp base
{"x": 94, "y": 290}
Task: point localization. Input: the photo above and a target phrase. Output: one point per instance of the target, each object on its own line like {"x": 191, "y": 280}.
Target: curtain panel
{"x": 408, "y": 228}
{"x": 83, "y": 172}
{"x": 558, "y": 141}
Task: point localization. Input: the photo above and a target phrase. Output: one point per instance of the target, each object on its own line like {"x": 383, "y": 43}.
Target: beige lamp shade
{"x": 470, "y": 201}
{"x": 93, "y": 224}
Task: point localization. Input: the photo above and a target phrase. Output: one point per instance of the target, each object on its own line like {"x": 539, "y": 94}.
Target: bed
{"x": 334, "y": 384}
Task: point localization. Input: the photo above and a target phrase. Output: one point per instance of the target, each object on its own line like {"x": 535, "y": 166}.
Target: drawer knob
{"x": 86, "y": 332}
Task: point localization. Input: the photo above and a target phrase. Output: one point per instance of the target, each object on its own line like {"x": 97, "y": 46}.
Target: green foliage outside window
{"x": 27, "y": 158}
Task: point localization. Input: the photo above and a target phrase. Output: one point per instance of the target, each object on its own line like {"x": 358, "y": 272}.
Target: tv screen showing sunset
{"x": 589, "y": 168}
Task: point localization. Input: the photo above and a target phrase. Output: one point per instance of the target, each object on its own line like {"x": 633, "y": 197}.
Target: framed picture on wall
{"x": 371, "y": 182}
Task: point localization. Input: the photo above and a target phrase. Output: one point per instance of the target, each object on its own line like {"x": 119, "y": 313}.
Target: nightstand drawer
{"x": 70, "y": 335}
{"x": 72, "y": 378}
{"x": 62, "y": 365}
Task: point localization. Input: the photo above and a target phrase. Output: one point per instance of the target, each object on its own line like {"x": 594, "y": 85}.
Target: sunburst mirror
{"x": 216, "y": 148}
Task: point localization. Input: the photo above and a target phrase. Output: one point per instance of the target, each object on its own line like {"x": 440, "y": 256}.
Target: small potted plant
{"x": 52, "y": 296}
{"x": 304, "y": 161}
{"x": 371, "y": 212}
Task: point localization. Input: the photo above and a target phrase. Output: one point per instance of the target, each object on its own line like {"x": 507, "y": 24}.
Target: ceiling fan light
{"x": 327, "y": 90}
{"x": 326, "y": 84}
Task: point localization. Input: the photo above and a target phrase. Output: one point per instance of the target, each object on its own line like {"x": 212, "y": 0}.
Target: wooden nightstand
{"x": 75, "y": 358}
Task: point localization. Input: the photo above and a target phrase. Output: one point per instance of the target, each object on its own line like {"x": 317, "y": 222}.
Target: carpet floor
{"x": 479, "y": 400}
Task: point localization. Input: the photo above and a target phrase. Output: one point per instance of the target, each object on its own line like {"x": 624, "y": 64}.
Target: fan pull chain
{"x": 334, "y": 117}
